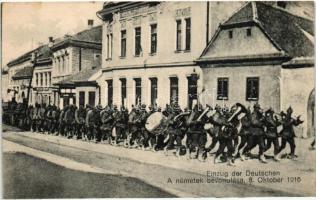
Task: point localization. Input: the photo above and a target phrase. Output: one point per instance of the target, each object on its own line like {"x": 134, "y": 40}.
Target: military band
{"x": 193, "y": 133}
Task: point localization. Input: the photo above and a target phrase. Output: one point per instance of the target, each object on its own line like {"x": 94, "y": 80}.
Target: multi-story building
{"x": 264, "y": 54}
{"x": 149, "y": 49}
{"x": 75, "y": 56}
{"x": 20, "y": 72}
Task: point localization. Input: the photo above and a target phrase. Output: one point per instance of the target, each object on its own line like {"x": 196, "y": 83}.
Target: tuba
{"x": 240, "y": 109}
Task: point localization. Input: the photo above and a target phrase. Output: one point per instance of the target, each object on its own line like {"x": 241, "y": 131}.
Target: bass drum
{"x": 154, "y": 121}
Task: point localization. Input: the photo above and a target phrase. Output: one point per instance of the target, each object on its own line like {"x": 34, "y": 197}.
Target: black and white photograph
{"x": 158, "y": 99}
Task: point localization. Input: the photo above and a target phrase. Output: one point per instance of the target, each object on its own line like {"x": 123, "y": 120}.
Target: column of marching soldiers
{"x": 192, "y": 132}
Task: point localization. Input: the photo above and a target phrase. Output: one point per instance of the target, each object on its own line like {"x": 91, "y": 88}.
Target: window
{"x": 123, "y": 90}
{"x": 138, "y": 47}
{"x": 138, "y": 91}
{"x": 187, "y": 34}
{"x": 174, "y": 90}
{"x": 49, "y": 78}
{"x": 36, "y": 79}
{"x": 91, "y": 98}
{"x": 123, "y": 43}
{"x": 248, "y": 32}
{"x": 222, "y": 89}
{"x": 192, "y": 89}
{"x": 153, "y": 91}
{"x": 46, "y": 79}
{"x": 110, "y": 92}
{"x": 109, "y": 46}
{"x": 178, "y": 35}
{"x": 252, "y": 91}
{"x": 230, "y": 34}
{"x": 81, "y": 98}
{"x": 41, "y": 79}
{"x": 153, "y": 39}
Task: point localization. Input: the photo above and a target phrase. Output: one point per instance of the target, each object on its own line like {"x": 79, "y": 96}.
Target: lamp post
{"x": 33, "y": 61}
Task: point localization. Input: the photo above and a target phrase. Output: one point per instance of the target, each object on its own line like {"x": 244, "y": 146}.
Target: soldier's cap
{"x": 289, "y": 110}
{"x": 256, "y": 105}
{"x": 143, "y": 106}
{"x": 217, "y": 107}
{"x": 270, "y": 110}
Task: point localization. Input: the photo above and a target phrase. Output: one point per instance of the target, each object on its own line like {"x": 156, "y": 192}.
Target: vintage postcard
{"x": 155, "y": 99}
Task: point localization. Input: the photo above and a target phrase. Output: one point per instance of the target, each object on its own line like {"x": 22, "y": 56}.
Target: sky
{"x": 26, "y": 25}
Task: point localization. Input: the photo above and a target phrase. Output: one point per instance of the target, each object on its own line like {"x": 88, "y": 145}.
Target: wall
{"x": 297, "y": 85}
{"x": 162, "y": 74}
{"x": 240, "y": 44}
{"x": 165, "y": 18}
{"x": 269, "y": 85}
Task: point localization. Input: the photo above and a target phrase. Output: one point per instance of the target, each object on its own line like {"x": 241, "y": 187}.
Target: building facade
{"x": 250, "y": 59}
{"x": 149, "y": 49}
{"x": 73, "y": 56}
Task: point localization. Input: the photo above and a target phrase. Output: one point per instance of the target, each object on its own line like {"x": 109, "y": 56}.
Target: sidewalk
{"x": 123, "y": 161}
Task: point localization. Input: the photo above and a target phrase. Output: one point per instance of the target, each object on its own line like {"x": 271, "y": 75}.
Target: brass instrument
{"x": 208, "y": 108}
{"x": 240, "y": 109}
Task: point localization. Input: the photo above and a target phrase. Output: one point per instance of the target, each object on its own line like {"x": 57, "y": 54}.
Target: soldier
{"x": 28, "y": 124}
{"x": 80, "y": 116}
{"x": 257, "y": 133}
{"x": 35, "y": 118}
{"x": 69, "y": 120}
{"x": 61, "y": 128}
{"x": 288, "y": 133}
{"x": 216, "y": 127}
{"x": 132, "y": 127}
{"x": 49, "y": 118}
{"x": 120, "y": 124}
{"x": 106, "y": 124}
{"x": 55, "y": 116}
{"x": 144, "y": 136}
{"x": 174, "y": 130}
{"x": 272, "y": 123}
{"x": 42, "y": 118}
{"x": 196, "y": 137}
{"x": 92, "y": 124}
{"x": 244, "y": 133}
{"x": 225, "y": 136}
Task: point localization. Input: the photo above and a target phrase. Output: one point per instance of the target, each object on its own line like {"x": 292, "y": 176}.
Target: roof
{"x": 82, "y": 76}
{"x": 92, "y": 37}
{"x": 43, "y": 52}
{"x": 289, "y": 33}
{"x": 23, "y": 73}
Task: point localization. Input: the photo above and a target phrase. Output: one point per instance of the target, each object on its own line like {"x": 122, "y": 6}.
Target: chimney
{"x": 50, "y": 41}
{"x": 90, "y": 23}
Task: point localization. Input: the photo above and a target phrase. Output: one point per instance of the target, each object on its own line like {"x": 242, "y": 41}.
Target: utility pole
{"x": 33, "y": 61}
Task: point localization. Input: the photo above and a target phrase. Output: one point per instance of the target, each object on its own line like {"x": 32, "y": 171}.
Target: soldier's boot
{"x": 231, "y": 162}
{"x": 188, "y": 154}
{"x": 276, "y": 158}
{"x": 217, "y": 160}
{"x": 165, "y": 150}
{"x": 201, "y": 157}
{"x": 262, "y": 159}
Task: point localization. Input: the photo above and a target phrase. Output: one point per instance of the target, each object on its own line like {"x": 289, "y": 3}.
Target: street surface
{"x": 153, "y": 169}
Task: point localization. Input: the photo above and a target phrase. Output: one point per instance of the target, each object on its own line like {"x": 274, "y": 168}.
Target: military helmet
{"x": 256, "y": 106}
{"x": 143, "y": 106}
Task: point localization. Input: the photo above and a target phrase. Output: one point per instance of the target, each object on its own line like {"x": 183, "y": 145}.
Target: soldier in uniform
{"x": 35, "y": 118}
{"x": 144, "y": 136}
{"x": 216, "y": 127}
{"x": 69, "y": 120}
{"x": 93, "y": 124}
{"x": 288, "y": 133}
{"x": 80, "y": 116}
{"x": 272, "y": 123}
{"x": 107, "y": 122}
{"x": 42, "y": 119}
{"x": 257, "y": 133}
{"x": 61, "y": 128}
{"x": 49, "y": 118}
{"x": 244, "y": 133}
{"x": 196, "y": 137}
{"x": 132, "y": 127}
{"x": 225, "y": 136}
{"x": 120, "y": 123}
{"x": 55, "y": 116}
{"x": 29, "y": 111}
